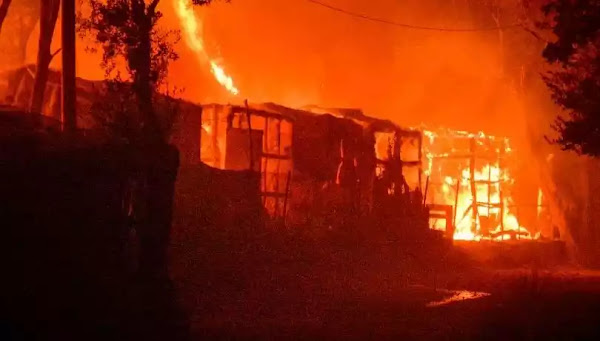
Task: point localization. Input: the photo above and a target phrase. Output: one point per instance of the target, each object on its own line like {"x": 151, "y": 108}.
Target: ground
{"x": 336, "y": 288}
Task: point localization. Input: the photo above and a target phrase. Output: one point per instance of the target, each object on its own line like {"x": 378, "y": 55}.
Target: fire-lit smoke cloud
{"x": 296, "y": 54}
{"x": 192, "y": 28}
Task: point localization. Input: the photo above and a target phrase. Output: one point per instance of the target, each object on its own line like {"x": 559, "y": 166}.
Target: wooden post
{"x": 251, "y": 151}
{"x": 199, "y": 159}
{"x": 287, "y": 193}
{"x": 266, "y": 165}
{"x": 475, "y": 205}
{"x": 69, "y": 98}
{"x": 420, "y": 146}
{"x": 278, "y": 169}
{"x": 519, "y": 225}
{"x": 216, "y": 158}
{"x": 456, "y": 201}
{"x": 426, "y": 190}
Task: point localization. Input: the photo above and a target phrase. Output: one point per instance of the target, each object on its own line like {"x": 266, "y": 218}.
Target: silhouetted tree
{"x": 575, "y": 79}
{"x": 128, "y": 30}
{"x": 48, "y": 16}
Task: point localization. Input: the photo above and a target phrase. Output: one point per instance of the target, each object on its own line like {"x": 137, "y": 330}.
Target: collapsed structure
{"x": 333, "y": 167}
{"x": 330, "y": 167}
{"x": 471, "y": 175}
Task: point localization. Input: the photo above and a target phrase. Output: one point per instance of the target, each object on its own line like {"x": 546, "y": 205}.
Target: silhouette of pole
{"x": 3, "y": 11}
{"x": 68, "y": 66}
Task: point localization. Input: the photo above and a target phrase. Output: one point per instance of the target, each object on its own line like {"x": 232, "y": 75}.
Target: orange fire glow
{"x": 494, "y": 218}
{"x": 464, "y": 223}
{"x": 193, "y": 34}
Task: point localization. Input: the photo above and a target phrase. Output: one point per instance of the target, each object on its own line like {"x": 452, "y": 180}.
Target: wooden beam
{"x": 275, "y": 156}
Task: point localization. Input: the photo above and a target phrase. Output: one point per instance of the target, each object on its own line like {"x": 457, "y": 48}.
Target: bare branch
{"x": 55, "y": 53}
{"x": 533, "y": 33}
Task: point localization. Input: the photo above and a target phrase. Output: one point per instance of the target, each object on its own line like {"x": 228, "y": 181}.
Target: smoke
{"x": 296, "y": 53}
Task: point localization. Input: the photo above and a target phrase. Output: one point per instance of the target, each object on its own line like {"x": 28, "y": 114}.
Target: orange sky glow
{"x": 296, "y": 53}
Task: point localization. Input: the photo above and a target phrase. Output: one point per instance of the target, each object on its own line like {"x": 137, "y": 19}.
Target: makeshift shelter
{"x": 317, "y": 166}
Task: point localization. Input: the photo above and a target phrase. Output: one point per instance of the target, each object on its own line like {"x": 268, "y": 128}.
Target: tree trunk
{"x": 48, "y": 16}
{"x": 69, "y": 72}
{"x": 144, "y": 86}
{"x": 161, "y": 163}
{"x": 3, "y": 11}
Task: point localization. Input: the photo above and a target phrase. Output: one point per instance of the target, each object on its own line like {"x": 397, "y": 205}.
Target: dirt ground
{"x": 296, "y": 288}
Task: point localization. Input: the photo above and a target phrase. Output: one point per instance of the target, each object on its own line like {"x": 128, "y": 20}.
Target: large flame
{"x": 500, "y": 219}
{"x": 193, "y": 37}
{"x": 494, "y": 209}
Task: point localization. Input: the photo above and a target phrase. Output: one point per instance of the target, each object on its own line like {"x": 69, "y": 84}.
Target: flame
{"x": 430, "y": 135}
{"x": 458, "y": 296}
{"x": 469, "y": 227}
{"x": 207, "y": 128}
{"x": 223, "y": 78}
{"x": 493, "y": 206}
{"x": 193, "y": 37}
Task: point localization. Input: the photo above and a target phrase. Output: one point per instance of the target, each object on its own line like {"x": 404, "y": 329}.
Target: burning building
{"x": 471, "y": 175}
{"x": 317, "y": 166}
{"x": 466, "y": 181}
